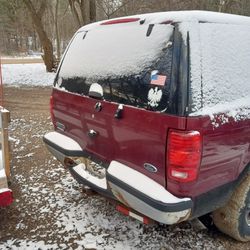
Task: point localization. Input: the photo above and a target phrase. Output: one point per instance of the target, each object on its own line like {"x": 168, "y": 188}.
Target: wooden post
{"x": 5, "y": 120}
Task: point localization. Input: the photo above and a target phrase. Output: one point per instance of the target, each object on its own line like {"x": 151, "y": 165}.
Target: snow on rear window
{"x": 115, "y": 50}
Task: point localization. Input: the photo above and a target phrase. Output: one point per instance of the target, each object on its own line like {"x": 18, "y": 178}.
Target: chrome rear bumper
{"x": 130, "y": 187}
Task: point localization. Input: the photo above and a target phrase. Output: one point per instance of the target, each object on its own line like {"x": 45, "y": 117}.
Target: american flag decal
{"x": 158, "y": 79}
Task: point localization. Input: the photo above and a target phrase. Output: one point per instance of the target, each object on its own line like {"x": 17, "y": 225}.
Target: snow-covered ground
{"x": 26, "y": 74}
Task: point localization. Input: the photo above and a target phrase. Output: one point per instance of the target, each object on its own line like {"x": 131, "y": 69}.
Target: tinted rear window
{"x": 131, "y": 64}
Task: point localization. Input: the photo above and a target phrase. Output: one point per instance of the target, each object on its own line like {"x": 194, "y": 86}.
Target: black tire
{"x": 234, "y": 218}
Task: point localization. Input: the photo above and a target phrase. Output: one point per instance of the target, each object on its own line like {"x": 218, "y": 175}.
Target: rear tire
{"x": 234, "y": 218}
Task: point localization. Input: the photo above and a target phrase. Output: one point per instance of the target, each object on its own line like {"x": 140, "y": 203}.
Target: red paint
{"x": 138, "y": 137}
{"x": 225, "y": 153}
{"x": 6, "y": 198}
{"x": 146, "y": 220}
{"x": 123, "y": 20}
{"x": 141, "y": 136}
{"x": 122, "y": 210}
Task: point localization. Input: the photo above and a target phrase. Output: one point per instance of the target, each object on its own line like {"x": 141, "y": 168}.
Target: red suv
{"x": 153, "y": 111}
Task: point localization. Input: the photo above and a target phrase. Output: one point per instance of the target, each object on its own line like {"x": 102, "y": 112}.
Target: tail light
{"x": 51, "y": 109}
{"x": 6, "y": 197}
{"x": 183, "y": 155}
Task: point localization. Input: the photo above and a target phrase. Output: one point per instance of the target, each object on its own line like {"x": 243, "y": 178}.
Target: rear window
{"x": 131, "y": 62}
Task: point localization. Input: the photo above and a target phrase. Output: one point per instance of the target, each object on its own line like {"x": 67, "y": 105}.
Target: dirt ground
{"x": 21, "y": 60}
{"x": 51, "y": 211}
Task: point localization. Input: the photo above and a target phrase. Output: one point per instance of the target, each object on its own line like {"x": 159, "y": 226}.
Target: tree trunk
{"x": 92, "y": 11}
{"x": 83, "y": 11}
{"x": 75, "y": 13}
{"x": 45, "y": 41}
{"x": 58, "y": 47}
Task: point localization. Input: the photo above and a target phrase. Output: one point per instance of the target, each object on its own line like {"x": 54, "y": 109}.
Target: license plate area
{"x": 92, "y": 167}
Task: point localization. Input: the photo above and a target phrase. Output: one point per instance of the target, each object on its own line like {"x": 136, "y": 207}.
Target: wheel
{"x": 234, "y": 218}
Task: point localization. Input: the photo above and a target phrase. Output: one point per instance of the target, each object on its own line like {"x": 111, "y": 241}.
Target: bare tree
{"x": 36, "y": 16}
{"x": 53, "y": 22}
{"x": 58, "y": 43}
{"x": 112, "y": 7}
{"x": 83, "y": 11}
{"x": 230, "y": 6}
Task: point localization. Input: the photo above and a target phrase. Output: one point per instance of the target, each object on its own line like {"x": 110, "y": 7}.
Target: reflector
{"x": 6, "y": 197}
{"x": 51, "y": 110}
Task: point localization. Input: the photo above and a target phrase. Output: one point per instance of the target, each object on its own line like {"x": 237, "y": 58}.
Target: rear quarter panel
{"x": 225, "y": 154}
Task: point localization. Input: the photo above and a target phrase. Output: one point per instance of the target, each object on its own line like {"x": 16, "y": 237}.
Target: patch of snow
{"x": 63, "y": 141}
{"x": 32, "y": 245}
{"x": 142, "y": 183}
{"x": 16, "y": 141}
{"x": 27, "y": 74}
{"x": 3, "y": 181}
{"x": 3, "y": 190}
{"x": 2, "y": 173}
{"x": 181, "y": 16}
{"x": 22, "y": 57}
{"x": 195, "y": 16}
{"x": 222, "y": 113}
{"x": 80, "y": 169}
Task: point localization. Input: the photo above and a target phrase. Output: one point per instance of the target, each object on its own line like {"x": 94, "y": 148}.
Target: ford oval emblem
{"x": 150, "y": 167}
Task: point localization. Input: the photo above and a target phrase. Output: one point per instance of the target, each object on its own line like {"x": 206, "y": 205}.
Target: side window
{"x": 225, "y": 60}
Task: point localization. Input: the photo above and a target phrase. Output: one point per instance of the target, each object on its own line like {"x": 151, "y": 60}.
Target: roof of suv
{"x": 181, "y": 16}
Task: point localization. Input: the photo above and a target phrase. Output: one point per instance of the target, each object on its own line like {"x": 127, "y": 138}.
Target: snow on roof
{"x": 219, "y": 57}
{"x": 182, "y": 16}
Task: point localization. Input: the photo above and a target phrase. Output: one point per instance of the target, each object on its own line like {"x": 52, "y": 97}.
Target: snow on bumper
{"x": 143, "y": 194}
{"x": 127, "y": 185}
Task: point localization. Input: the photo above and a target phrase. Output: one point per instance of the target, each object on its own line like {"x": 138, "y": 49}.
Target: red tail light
{"x": 51, "y": 109}
{"x": 6, "y": 197}
{"x": 183, "y": 155}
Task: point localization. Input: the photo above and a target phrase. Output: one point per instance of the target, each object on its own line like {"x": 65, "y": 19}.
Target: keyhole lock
{"x": 119, "y": 111}
{"x": 98, "y": 107}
